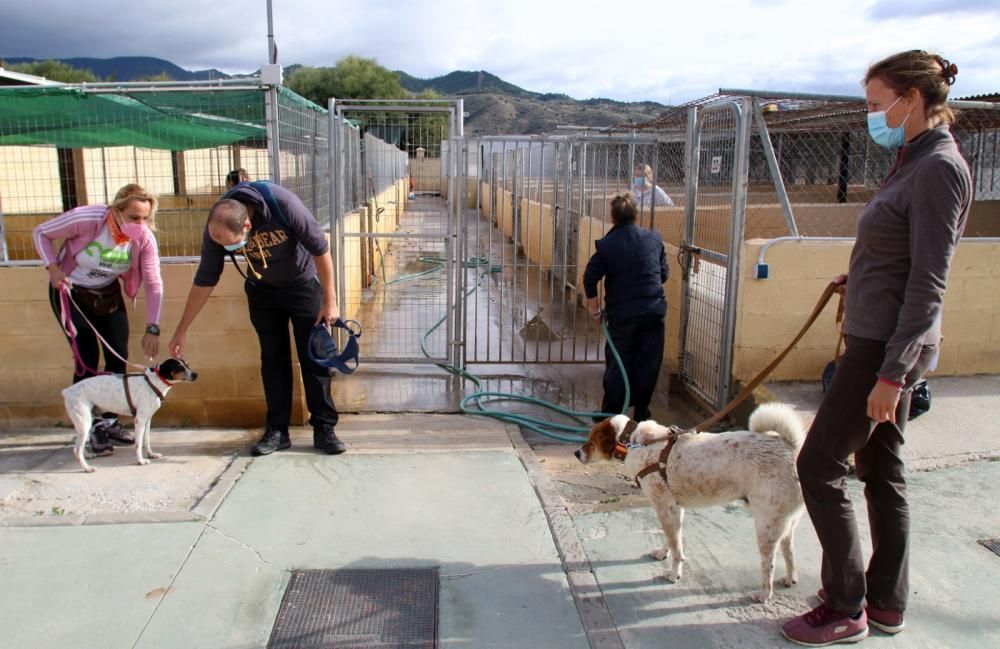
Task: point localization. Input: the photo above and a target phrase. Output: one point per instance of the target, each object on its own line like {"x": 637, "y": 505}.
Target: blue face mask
{"x": 882, "y": 133}
{"x": 233, "y": 247}
{"x": 639, "y": 181}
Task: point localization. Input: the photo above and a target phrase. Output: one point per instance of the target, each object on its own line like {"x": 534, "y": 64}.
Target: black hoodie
{"x": 283, "y": 258}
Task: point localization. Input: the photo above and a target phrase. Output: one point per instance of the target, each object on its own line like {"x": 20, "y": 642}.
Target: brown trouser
{"x": 842, "y": 427}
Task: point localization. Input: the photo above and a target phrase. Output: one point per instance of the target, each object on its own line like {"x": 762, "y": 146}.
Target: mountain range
{"x": 493, "y": 105}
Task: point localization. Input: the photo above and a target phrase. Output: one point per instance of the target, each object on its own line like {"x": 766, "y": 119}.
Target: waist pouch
{"x": 99, "y": 302}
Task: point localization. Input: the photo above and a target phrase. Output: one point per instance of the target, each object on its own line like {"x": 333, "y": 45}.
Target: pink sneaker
{"x": 824, "y": 626}
{"x": 890, "y": 622}
{"x": 886, "y": 621}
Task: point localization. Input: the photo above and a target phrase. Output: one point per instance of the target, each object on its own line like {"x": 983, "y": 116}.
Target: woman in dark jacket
{"x": 894, "y": 289}
{"x": 633, "y": 264}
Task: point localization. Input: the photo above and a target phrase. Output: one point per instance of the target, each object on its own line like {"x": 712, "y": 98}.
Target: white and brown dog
{"x": 677, "y": 469}
{"x": 139, "y": 395}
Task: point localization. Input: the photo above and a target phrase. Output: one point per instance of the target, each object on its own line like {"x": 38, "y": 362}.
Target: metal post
{"x": 772, "y": 164}
{"x": 272, "y": 50}
{"x": 273, "y": 148}
{"x": 740, "y": 181}
{"x": 3, "y": 236}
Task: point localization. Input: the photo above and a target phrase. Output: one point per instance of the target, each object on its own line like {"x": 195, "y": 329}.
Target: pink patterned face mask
{"x": 133, "y": 231}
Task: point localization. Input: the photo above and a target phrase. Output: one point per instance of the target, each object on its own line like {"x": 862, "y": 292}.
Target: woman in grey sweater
{"x": 894, "y": 288}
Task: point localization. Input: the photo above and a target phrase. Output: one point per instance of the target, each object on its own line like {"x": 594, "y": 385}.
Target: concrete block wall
{"x": 771, "y": 311}
{"x": 221, "y": 344}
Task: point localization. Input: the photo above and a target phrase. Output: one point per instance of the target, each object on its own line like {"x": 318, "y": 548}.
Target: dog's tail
{"x": 781, "y": 419}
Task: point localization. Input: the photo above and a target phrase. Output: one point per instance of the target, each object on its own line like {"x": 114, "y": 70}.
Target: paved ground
{"x": 534, "y": 549}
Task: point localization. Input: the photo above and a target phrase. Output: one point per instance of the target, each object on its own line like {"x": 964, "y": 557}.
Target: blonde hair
{"x": 930, "y": 74}
{"x": 623, "y": 209}
{"x": 136, "y": 192}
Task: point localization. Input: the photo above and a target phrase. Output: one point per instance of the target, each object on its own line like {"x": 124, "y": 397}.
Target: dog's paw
{"x": 760, "y": 596}
{"x": 142, "y": 461}
{"x": 89, "y": 469}
{"x": 672, "y": 576}
{"x": 155, "y": 456}
{"x": 790, "y": 580}
{"x": 660, "y": 554}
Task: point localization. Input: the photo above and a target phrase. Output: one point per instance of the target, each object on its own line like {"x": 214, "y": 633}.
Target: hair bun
{"x": 948, "y": 70}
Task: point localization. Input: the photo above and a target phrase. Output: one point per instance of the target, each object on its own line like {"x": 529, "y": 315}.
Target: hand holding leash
{"x": 57, "y": 277}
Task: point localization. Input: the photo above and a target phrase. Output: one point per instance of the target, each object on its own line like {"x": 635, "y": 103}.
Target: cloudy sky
{"x": 658, "y": 50}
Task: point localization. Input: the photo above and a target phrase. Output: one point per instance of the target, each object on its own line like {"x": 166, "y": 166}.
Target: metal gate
{"x": 532, "y": 208}
{"x": 718, "y": 138}
{"x": 394, "y": 225}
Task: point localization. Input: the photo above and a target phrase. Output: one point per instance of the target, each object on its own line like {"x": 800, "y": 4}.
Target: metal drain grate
{"x": 990, "y": 544}
{"x": 358, "y": 609}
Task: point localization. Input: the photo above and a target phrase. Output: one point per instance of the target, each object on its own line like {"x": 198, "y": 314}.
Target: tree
{"x": 54, "y": 71}
{"x": 353, "y": 77}
{"x": 162, "y": 76}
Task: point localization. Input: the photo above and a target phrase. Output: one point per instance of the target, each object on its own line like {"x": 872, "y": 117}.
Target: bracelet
{"x": 898, "y": 386}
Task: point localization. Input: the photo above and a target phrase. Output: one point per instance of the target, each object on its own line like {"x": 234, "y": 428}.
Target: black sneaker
{"x": 272, "y": 440}
{"x": 98, "y": 445}
{"x": 118, "y": 433}
{"x": 327, "y": 440}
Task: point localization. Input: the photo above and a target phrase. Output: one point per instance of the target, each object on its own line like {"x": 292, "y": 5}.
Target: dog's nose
{"x": 577, "y": 454}
{"x": 194, "y": 376}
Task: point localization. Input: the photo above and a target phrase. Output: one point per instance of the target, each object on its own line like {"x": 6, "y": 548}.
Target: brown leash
{"x": 661, "y": 464}
{"x": 757, "y": 380}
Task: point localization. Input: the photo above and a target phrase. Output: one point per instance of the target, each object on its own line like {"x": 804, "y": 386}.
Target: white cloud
{"x": 669, "y": 52}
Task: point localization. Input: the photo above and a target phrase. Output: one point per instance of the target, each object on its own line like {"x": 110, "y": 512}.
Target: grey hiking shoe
{"x": 272, "y": 440}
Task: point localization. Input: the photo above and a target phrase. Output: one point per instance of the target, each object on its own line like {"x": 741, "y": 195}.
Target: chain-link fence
{"x": 66, "y": 146}
{"x": 812, "y": 165}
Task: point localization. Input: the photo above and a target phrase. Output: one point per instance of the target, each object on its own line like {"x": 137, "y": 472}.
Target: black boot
{"x": 326, "y": 440}
{"x": 118, "y": 433}
{"x": 271, "y": 441}
{"x": 98, "y": 445}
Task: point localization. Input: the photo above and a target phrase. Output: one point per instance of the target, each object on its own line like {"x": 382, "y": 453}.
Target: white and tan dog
{"x": 139, "y": 395}
{"x": 706, "y": 469}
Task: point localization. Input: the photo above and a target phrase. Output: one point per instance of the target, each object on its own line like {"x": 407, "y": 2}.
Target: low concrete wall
{"x": 221, "y": 344}
{"x": 771, "y": 311}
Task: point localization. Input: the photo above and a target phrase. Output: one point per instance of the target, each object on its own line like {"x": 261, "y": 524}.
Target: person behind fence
{"x": 645, "y": 191}
{"x": 633, "y": 263}
{"x": 235, "y": 177}
{"x": 906, "y": 237}
{"x": 105, "y": 249}
{"x": 289, "y": 278}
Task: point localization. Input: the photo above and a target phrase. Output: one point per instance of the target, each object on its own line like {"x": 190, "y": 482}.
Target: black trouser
{"x": 639, "y": 342}
{"x": 842, "y": 427}
{"x": 113, "y": 328}
{"x": 270, "y": 311}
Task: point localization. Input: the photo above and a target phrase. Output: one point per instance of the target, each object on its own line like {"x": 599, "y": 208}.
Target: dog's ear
{"x": 603, "y": 437}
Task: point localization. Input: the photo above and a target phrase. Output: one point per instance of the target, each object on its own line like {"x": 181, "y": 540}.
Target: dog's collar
{"x": 156, "y": 370}
{"x": 622, "y": 445}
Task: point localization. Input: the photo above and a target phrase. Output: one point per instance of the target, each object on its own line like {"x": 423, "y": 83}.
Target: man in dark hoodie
{"x": 633, "y": 263}
{"x": 289, "y": 278}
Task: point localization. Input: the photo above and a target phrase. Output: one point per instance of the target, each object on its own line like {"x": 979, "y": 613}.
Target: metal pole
{"x": 740, "y": 180}
{"x": 272, "y": 50}
{"x": 273, "y": 148}
{"x": 3, "y": 236}
{"x": 772, "y": 164}
{"x": 334, "y": 189}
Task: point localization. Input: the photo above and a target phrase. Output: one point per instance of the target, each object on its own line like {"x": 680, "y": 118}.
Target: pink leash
{"x": 66, "y": 321}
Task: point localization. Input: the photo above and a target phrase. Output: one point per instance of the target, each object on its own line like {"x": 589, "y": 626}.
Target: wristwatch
{"x": 153, "y": 330}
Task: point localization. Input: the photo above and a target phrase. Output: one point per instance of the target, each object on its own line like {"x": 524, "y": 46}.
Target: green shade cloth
{"x": 175, "y": 120}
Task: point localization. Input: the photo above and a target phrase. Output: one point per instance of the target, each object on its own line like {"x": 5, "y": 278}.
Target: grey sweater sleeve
{"x": 938, "y": 209}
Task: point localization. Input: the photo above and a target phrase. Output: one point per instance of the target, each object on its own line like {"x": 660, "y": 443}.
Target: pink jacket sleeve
{"x": 152, "y": 280}
{"x": 64, "y": 226}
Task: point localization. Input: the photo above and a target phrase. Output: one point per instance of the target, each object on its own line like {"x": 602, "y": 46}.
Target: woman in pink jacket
{"x": 105, "y": 249}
